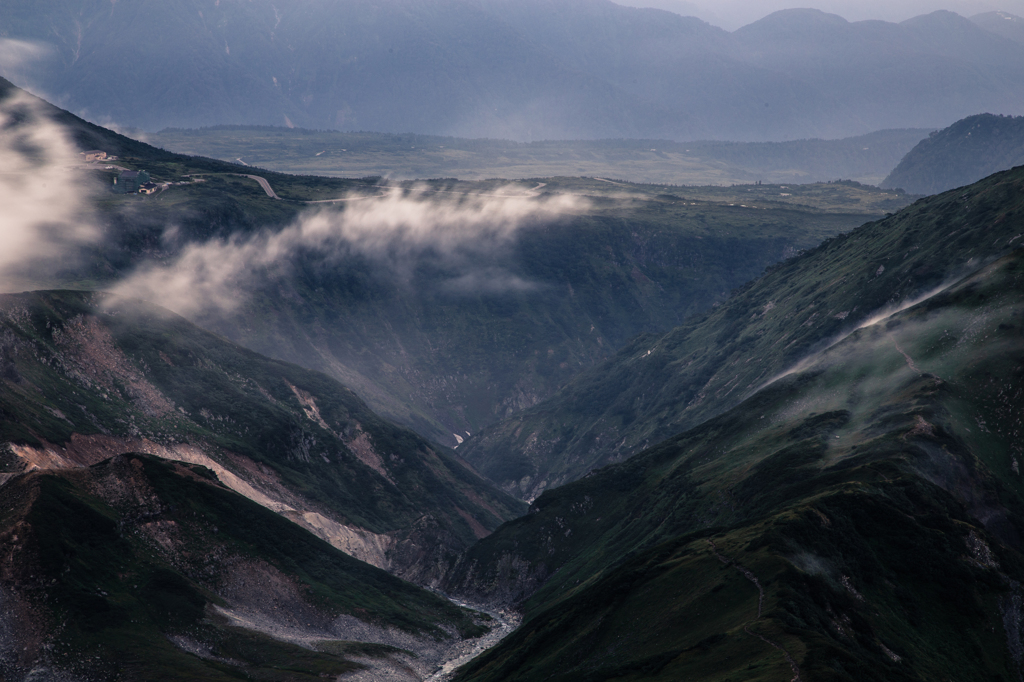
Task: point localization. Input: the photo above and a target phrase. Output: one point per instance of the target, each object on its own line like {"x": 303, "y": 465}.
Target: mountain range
{"x": 813, "y": 476}
{"x": 865, "y": 158}
{"x": 1002, "y": 23}
{"x": 524, "y": 70}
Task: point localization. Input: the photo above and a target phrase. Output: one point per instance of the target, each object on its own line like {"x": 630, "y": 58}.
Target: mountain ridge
{"x": 652, "y": 255}
{"x": 142, "y": 568}
{"x": 662, "y": 76}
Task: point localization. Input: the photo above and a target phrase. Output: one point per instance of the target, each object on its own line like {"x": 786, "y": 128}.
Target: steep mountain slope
{"x": 858, "y": 518}
{"x": 529, "y": 70}
{"x": 659, "y": 385}
{"x": 918, "y": 61}
{"x": 85, "y": 135}
{"x": 87, "y": 376}
{"x": 961, "y": 154}
{"x": 136, "y": 568}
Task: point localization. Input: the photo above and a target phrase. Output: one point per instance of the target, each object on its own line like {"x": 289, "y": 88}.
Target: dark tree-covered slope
{"x": 961, "y": 154}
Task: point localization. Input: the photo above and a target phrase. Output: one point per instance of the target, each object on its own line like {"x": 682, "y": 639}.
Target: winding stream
{"x": 465, "y": 651}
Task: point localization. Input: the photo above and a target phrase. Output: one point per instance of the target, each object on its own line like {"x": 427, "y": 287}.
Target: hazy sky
{"x": 731, "y": 14}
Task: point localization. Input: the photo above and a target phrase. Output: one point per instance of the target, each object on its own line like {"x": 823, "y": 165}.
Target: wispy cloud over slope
{"x": 45, "y": 216}
{"x": 398, "y": 231}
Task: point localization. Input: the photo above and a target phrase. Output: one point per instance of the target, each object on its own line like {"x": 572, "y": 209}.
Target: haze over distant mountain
{"x": 1002, "y": 23}
{"x": 864, "y": 158}
{"x": 965, "y": 152}
{"x": 733, "y": 14}
{"x": 523, "y": 69}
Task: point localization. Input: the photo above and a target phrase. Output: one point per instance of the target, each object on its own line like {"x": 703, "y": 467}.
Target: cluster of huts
{"x": 127, "y": 182}
{"x": 131, "y": 182}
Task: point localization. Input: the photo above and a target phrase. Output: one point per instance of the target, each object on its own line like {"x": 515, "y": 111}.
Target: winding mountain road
{"x": 273, "y": 195}
{"x": 264, "y": 184}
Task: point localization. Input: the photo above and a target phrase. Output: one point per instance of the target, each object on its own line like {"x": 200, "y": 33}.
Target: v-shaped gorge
{"x": 660, "y": 385}
{"x": 857, "y": 517}
{"x": 446, "y": 305}
{"x": 832, "y": 491}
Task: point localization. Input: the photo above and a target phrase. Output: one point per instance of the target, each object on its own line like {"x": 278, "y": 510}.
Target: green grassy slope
{"x": 87, "y": 375}
{"x": 659, "y": 385}
{"x": 135, "y": 567}
{"x": 858, "y": 519}
{"x": 963, "y": 153}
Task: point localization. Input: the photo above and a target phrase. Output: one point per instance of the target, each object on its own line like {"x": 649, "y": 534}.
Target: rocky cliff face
{"x": 143, "y": 568}
{"x": 88, "y": 377}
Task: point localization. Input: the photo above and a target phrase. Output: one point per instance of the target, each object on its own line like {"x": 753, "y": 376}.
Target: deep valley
{"x": 560, "y": 426}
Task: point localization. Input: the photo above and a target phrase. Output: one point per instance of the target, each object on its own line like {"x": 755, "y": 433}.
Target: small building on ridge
{"x": 129, "y": 182}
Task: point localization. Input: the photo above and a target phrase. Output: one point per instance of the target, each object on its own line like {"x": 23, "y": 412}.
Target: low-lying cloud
{"x": 46, "y": 215}
{"x": 19, "y": 57}
{"x": 398, "y": 231}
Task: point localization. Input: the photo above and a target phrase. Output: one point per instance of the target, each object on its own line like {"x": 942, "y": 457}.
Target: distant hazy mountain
{"x": 1002, "y": 23}
{"x": 965, "y": 152}
{"x": 523, "y": 69}
{"x": 681, "y": 7}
